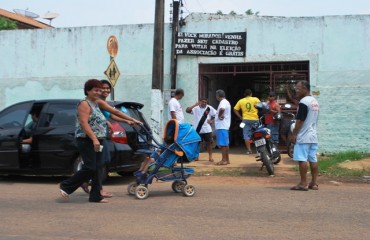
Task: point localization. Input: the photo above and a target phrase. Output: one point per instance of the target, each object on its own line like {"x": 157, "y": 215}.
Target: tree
{"x": 250, "y": 12}
{"x": 219, "y": 12}
{"x": 232, "y": 13}
{"x": 7, "y": 24}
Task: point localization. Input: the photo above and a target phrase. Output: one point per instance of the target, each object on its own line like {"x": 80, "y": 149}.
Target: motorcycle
{"x": 290, "y": 145}
{"x": 261, "y": 137}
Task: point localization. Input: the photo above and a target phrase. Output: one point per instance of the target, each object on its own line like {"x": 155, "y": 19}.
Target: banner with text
{"x": 211, "y": 44}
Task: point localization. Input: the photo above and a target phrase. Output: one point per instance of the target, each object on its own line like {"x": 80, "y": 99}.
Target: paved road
{"x": 223, "y": 208}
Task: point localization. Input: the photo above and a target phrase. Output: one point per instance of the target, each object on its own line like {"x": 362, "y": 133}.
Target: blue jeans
{"x": 91, "y": 169}
{"x": 247, "y": 128}
{"x": 274, "y": 128}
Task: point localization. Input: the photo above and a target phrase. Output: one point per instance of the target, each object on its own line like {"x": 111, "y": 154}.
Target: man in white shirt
{"x": 204, "y": 115}
{"x": 222, "y": 124}
{"x": 174, "y": 106}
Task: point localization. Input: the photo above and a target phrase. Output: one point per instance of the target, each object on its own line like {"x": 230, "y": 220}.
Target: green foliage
{"x": 232, "y": 13}
{"x": 7, "y": 24}
{"x": 219, "y": 12}
{"x": 330, "y": 165}
{"x": 250, "y": 12}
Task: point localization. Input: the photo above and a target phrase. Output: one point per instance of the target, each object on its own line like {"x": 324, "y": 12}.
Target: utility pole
{"x": 156, "y": 106}
{"x": 175, "y": 29}
{"x": 157, "y": 72}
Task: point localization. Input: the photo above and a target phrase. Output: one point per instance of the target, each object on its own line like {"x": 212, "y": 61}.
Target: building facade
{"x": 331, "y": 52}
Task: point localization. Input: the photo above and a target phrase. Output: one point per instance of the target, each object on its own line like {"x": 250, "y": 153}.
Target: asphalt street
{"x": 222, "y": 208}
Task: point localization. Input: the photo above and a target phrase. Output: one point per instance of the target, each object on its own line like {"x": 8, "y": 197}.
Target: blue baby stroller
{"x": 185, "y": 148}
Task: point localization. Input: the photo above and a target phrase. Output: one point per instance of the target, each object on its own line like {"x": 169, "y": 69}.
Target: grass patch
{"x": 233, "y": 172}
{"x": 236, "y": 172}
{"x": 329, "y": 165}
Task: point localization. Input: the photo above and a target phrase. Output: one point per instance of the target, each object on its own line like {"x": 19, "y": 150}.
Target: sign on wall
{"x": 112, "y": 72}
{"x": 211, "y": 44}
{"x": 112, "y": 46}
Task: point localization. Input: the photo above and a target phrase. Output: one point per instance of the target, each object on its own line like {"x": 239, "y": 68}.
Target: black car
{"x": 53, "y": 150}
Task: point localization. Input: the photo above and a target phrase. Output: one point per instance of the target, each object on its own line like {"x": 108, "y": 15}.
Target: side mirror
{"x": 287, "y": 105}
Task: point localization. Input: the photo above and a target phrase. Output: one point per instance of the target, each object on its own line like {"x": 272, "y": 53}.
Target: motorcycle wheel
{"x": 290, "y": 149}
{"x": 276, "y": 160}
{"x": 290, "y": 146}
{"x": 267, "y": 162}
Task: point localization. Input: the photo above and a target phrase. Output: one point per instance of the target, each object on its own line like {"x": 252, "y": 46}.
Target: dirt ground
{"x": 358, "y": 165}
{"x": 285, "y": 172}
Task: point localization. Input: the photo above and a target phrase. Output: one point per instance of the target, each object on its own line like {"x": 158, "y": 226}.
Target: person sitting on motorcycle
{"x": 270, "y": 120}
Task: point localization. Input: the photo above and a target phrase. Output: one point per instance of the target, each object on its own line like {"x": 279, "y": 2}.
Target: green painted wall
{"x": 54, "y": 63}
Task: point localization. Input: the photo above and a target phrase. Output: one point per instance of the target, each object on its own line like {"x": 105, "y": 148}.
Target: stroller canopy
{"x": 186, "y": 138}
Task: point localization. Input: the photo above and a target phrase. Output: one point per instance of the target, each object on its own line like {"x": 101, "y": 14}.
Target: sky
{"x": 76, "y": 13}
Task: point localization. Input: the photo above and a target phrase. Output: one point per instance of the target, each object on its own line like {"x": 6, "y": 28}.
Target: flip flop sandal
{"x": 85, "y": 187}
{"x": 64, "y": 194}
{"x": 211, "y": 160}
{"x": 313, "y": 187}
{"x": 106, "y": 195}
{"x": 299, "y": 188}
{"x": 221, "y": 163}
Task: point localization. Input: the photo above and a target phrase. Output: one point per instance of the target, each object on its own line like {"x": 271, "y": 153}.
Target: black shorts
{"x": 206, "y": 137}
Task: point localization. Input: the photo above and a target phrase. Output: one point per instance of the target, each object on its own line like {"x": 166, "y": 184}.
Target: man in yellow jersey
{"x": 249, "y": 115}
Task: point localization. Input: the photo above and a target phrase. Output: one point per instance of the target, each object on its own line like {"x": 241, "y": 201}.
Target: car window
{"x": 28, "y": 121}
{"x": 131, "y": 112}
{"x": 59, "y": 114}
{"x": 14, "y": 116}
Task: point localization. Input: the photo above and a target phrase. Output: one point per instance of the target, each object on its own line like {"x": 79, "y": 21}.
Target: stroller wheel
{"x": 188, "y": 190}
{"x": 178, "y": 186}
{"x": 141, "y": 192}
{"x": 131, "y": 189}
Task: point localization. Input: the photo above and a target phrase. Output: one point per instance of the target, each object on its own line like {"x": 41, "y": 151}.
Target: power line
{"x": 184, "y": 5}
{"x": 201, "y": 6}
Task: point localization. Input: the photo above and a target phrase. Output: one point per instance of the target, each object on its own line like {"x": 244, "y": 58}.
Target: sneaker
{"x": 139, "y": 174}
{"x": 249, "y": 152}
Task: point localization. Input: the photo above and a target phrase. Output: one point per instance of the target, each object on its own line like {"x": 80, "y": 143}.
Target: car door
{"x": 12, "y": 120}
{"x": 54, "y": 136}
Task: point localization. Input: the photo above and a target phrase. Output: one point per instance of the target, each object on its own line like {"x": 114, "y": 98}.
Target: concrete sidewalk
{"x": 239, "y": 159}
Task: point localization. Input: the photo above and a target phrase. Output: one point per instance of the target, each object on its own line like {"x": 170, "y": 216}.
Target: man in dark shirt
{"x": 31, "y": 127}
